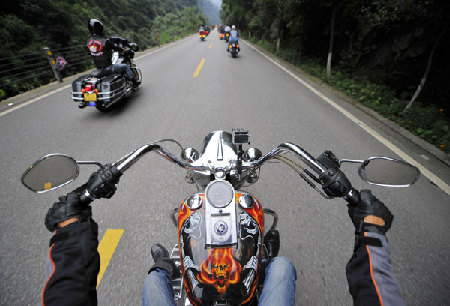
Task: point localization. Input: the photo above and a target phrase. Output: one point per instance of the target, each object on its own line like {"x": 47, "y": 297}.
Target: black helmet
{"x": 96, "y": 27}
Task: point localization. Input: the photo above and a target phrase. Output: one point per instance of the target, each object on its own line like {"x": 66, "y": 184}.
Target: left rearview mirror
{"x": 50, "y": 172}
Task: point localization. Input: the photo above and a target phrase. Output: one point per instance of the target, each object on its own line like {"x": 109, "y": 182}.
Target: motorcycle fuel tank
{"x": 220, "y": 252}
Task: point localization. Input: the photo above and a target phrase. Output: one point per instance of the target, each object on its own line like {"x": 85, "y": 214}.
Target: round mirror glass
{"x": 385, "y": 171}
{"x": 50, "y": 172}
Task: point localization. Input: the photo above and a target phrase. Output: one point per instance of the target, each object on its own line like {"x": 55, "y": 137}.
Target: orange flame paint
{"x": 220, "y": 269}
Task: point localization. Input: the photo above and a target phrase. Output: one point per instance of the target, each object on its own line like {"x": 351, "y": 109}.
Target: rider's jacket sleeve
{"x": 72, "y": 266}
{"x": 370, "y": 275}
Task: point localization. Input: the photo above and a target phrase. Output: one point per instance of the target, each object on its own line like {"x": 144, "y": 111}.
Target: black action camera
{"x": 240, "y": 137}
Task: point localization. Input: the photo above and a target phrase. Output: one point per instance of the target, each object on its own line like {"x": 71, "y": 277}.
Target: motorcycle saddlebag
{"x": 111, "y": 88}
{"x": 76, "y": 88}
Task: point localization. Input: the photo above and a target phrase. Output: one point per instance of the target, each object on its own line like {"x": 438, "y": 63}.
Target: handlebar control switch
{"x": 329, "y": 160}
{"x": 102, "y": 184}
{"x": 335, "y": 183}
{"x": 240, "y": 137}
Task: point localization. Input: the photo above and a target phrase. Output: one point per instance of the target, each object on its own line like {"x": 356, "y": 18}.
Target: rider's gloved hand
{"x": 68, "y": 207}
{"x": 102, "y": 184}
{"x": 370, "y": 215}
{"x": 334, "y": 181}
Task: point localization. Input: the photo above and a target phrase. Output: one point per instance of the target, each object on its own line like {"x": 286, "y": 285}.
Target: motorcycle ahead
{"x": 233, "y": 48}
{"x": 202, "y": 35}
{"x": 221, "y": 227}
{"x": 104, "y": 88}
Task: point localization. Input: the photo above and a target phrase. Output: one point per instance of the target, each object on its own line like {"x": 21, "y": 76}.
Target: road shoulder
{"x": 431, "y": 158}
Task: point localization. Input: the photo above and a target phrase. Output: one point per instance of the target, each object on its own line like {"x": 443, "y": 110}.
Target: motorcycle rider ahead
{"x": 74, "y": 261}
{"x": 101, "y": 49}
{"x": 227, "y": 31}
{"x": 234, "y": 37}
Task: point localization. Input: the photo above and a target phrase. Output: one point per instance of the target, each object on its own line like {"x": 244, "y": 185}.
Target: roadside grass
{"x": 427, "y": 122}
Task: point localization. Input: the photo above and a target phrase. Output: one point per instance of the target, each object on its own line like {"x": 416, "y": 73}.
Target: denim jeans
{"x": 122, "y": 68}
{"x": 279, "y": 285}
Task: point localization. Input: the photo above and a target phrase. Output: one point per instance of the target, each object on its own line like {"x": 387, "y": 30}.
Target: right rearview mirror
{"x": 388, "y": 172}
{"x": 134, "y": 47}
{"x": 50, "y": 172}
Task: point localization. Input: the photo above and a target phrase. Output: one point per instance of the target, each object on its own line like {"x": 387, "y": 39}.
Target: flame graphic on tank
{"x": 220, "y": 269}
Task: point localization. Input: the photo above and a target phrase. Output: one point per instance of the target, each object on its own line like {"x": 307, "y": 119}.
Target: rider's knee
{"x": 283, "y": 266}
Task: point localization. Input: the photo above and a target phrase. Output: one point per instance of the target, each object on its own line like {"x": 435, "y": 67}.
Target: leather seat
{"x": 98, "y": 73}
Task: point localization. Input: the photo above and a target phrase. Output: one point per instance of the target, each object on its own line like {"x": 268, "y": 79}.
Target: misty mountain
{"x": 211, "y": 8}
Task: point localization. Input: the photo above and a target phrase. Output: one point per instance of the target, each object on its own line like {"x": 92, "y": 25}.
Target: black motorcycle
{"x": 104, "y": 88}
{"x": 233, "y": 48}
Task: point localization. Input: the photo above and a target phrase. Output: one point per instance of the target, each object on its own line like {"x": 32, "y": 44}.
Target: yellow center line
{"x": 199, "y": 67}
{"x": 106, "y": 249}
{"x": 210, "y": 45}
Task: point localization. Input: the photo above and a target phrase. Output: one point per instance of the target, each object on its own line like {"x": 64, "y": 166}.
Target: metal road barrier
{"x": 23, "y": 72}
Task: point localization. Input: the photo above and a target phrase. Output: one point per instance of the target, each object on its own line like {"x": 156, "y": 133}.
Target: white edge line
{"x": 34, "y": 100}
{"x": 440, "y": 183}
{"x": 67, "y": 86}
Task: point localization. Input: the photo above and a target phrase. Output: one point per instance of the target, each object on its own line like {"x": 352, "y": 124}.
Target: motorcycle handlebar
{"x": 123, "y": 164}
{"x": 301, "y": 153}
{"x": 130, "y": 159}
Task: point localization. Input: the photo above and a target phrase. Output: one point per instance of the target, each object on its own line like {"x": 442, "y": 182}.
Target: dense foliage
{"x": 382, "y": 42}
{"x": 30, "y": 25}
{"x": 387, "y": 41}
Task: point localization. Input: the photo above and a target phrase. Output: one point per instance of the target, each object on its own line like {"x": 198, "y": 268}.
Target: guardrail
{"x": 23, "y": 72}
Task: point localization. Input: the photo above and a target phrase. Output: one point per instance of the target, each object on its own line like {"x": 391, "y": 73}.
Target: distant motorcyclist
{"x": 227, "y": 32}
{"x": 101, "y": 48}
{"x": 234, "y": 37}
{"x": 74, "y": 260}
{"x": 201, "y": 32}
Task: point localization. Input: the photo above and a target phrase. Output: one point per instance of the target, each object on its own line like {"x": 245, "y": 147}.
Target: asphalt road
{"x": 249, "y": 92}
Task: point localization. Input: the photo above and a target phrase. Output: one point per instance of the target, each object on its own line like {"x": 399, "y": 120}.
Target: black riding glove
{"x": 334, "y": 181}
{"x": 370, "y": 215}
{"x": 102, "y": 184}
{"x": 69, "y": 206}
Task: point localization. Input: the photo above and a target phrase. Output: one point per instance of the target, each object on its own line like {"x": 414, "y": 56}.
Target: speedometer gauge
{"x": 219, "y": 194}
